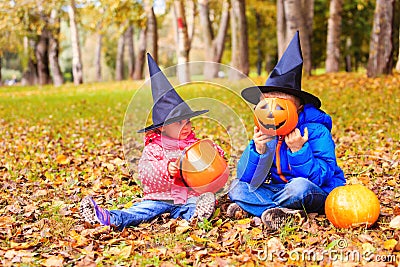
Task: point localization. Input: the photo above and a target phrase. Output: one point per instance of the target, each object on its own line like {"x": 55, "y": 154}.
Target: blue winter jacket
{"x": 315, "y": 161}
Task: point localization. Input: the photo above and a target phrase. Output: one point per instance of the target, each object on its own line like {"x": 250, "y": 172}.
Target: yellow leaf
{"x": 80, "y": 240}
{"x": 107, "y": 182}
{"x": 4, "y": 220}
{"x": 256, "y": 231}
{"x": 220, "y": 254}
{"x": 157, "y": 251}
{"x": 214, "y": 245}
{"x": 390, "y": 244}
{"x": 128, "y": 205}
{"x": 244, "y": 221}
{"x": 25, "y": 245}
{"x": 62, "y": 159}
{"x": 198, "y": 239}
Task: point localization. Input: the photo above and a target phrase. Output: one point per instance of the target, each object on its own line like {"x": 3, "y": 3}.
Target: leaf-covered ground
{"x": 58, "y": 145}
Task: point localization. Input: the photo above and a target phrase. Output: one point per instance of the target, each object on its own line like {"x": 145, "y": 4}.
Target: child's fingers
{"x": 305, "y": 137}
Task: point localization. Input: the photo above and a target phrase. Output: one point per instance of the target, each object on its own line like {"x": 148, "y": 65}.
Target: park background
{"x": 61, "y": 125}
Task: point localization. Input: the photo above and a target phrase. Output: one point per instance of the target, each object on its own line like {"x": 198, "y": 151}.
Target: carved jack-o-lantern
{"x": 275, "y": 116}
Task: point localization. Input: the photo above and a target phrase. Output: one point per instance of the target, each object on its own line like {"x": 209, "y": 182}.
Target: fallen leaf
{"x": 62, "y": 159}
{"x": 390, "y": 244}
{"x": 53, "y": 261}
{"x": 124, "y": 252}
{"x": 395, "y": 222}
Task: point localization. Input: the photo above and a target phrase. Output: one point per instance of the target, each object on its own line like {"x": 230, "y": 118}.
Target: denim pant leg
{"x": 254, "y": 200}
{"x": 300, "y": 193}
{"x": 143, "y": 211}
{"x": 185, "y": 211}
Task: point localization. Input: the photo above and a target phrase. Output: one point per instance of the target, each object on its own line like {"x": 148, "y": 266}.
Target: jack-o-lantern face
{"x": 275, "y": 116}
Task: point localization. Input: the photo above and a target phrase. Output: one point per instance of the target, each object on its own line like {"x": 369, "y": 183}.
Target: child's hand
{"x": 260, "y": 139}
{"x": 295, "y": 141}
{"x": 173, "y": 169}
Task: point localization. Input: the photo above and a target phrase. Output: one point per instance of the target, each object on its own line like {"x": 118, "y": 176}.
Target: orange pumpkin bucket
{"x": 202, "y": 167}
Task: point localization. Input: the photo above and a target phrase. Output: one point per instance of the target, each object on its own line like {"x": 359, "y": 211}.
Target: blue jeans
{"x": 147, "y": 210}
{"x": 298, "y": 193}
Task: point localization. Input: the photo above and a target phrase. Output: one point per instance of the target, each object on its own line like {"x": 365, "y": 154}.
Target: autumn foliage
{"x": 58, "y": 145}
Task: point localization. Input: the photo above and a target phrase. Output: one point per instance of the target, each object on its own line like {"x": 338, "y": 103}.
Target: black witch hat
{"x": 168, "y": 106}
{"x": 285, "y": 77}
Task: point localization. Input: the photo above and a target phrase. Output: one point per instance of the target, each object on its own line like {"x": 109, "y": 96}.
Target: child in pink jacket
{"x": 163, "y": 188}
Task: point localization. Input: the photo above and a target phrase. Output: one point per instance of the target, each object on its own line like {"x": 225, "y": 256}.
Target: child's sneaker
{"x": 275, "y": 218}
{"x": 205, "y": 206}
{"x": 234, "y": 211}
{"x": 92, "y": 213}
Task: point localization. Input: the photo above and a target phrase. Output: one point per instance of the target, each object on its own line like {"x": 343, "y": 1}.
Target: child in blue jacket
{"x": 280, "y": 176}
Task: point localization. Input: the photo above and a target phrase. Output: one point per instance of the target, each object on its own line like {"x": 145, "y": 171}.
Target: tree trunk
{"x": 292, "y": 16}
{"x": 398, "y": 56}
{"x": 259, "y": 43}
{"x": 42, "y": 58}
{"x": 131, "y": 51}
{"x": 213, "y": 47}
{"x": 1, "y": 81}
{"x": 99, "y": 44}
{"x": 77, "y": 69}
{"x": 281, "y": 27}
{"x": 29, "y": 77}
{"x": 298, "y": 16}
{"x": 240, "y": 47}
{"x": 54, "y": 48}
{"x": 119, "y": 64}
{"x": 308, "y": 14}
{"x": 141, "y": 54}
{"x": 380, "y": 59}
{"x": 333, "y": 37}
{"x": 183, "y": 42}
{"x": 58, "y": 78}
{"x": 152, "y": 31}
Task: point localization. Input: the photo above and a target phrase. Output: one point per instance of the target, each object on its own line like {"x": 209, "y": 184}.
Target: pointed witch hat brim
{"x": 285, "y": 77}
{"x": 168, "y": 106}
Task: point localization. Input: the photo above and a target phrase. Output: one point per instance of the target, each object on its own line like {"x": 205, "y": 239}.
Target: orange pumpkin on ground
{"x": 202, "y": 167}
{"x": 275, "y": 116}
{"x": 352, "y": 205}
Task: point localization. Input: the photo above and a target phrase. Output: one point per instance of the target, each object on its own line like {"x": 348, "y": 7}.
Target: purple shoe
{"x": 92, "y": 213}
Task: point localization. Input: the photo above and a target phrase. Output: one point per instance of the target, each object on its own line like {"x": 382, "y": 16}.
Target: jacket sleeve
{"x": 153, "y": 170}
{"x": 316, "y": 160}
{"x": 253, "y": 168}
{"x": 221, "y": 152}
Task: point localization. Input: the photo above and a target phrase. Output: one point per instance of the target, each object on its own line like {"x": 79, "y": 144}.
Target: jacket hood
{"x": 311, "y": 114}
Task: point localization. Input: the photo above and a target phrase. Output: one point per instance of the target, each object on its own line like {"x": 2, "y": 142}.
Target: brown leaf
{"x": 53, "y": 261}
{"x": 397, "y": 247}
{"x": 87, "y": 261}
